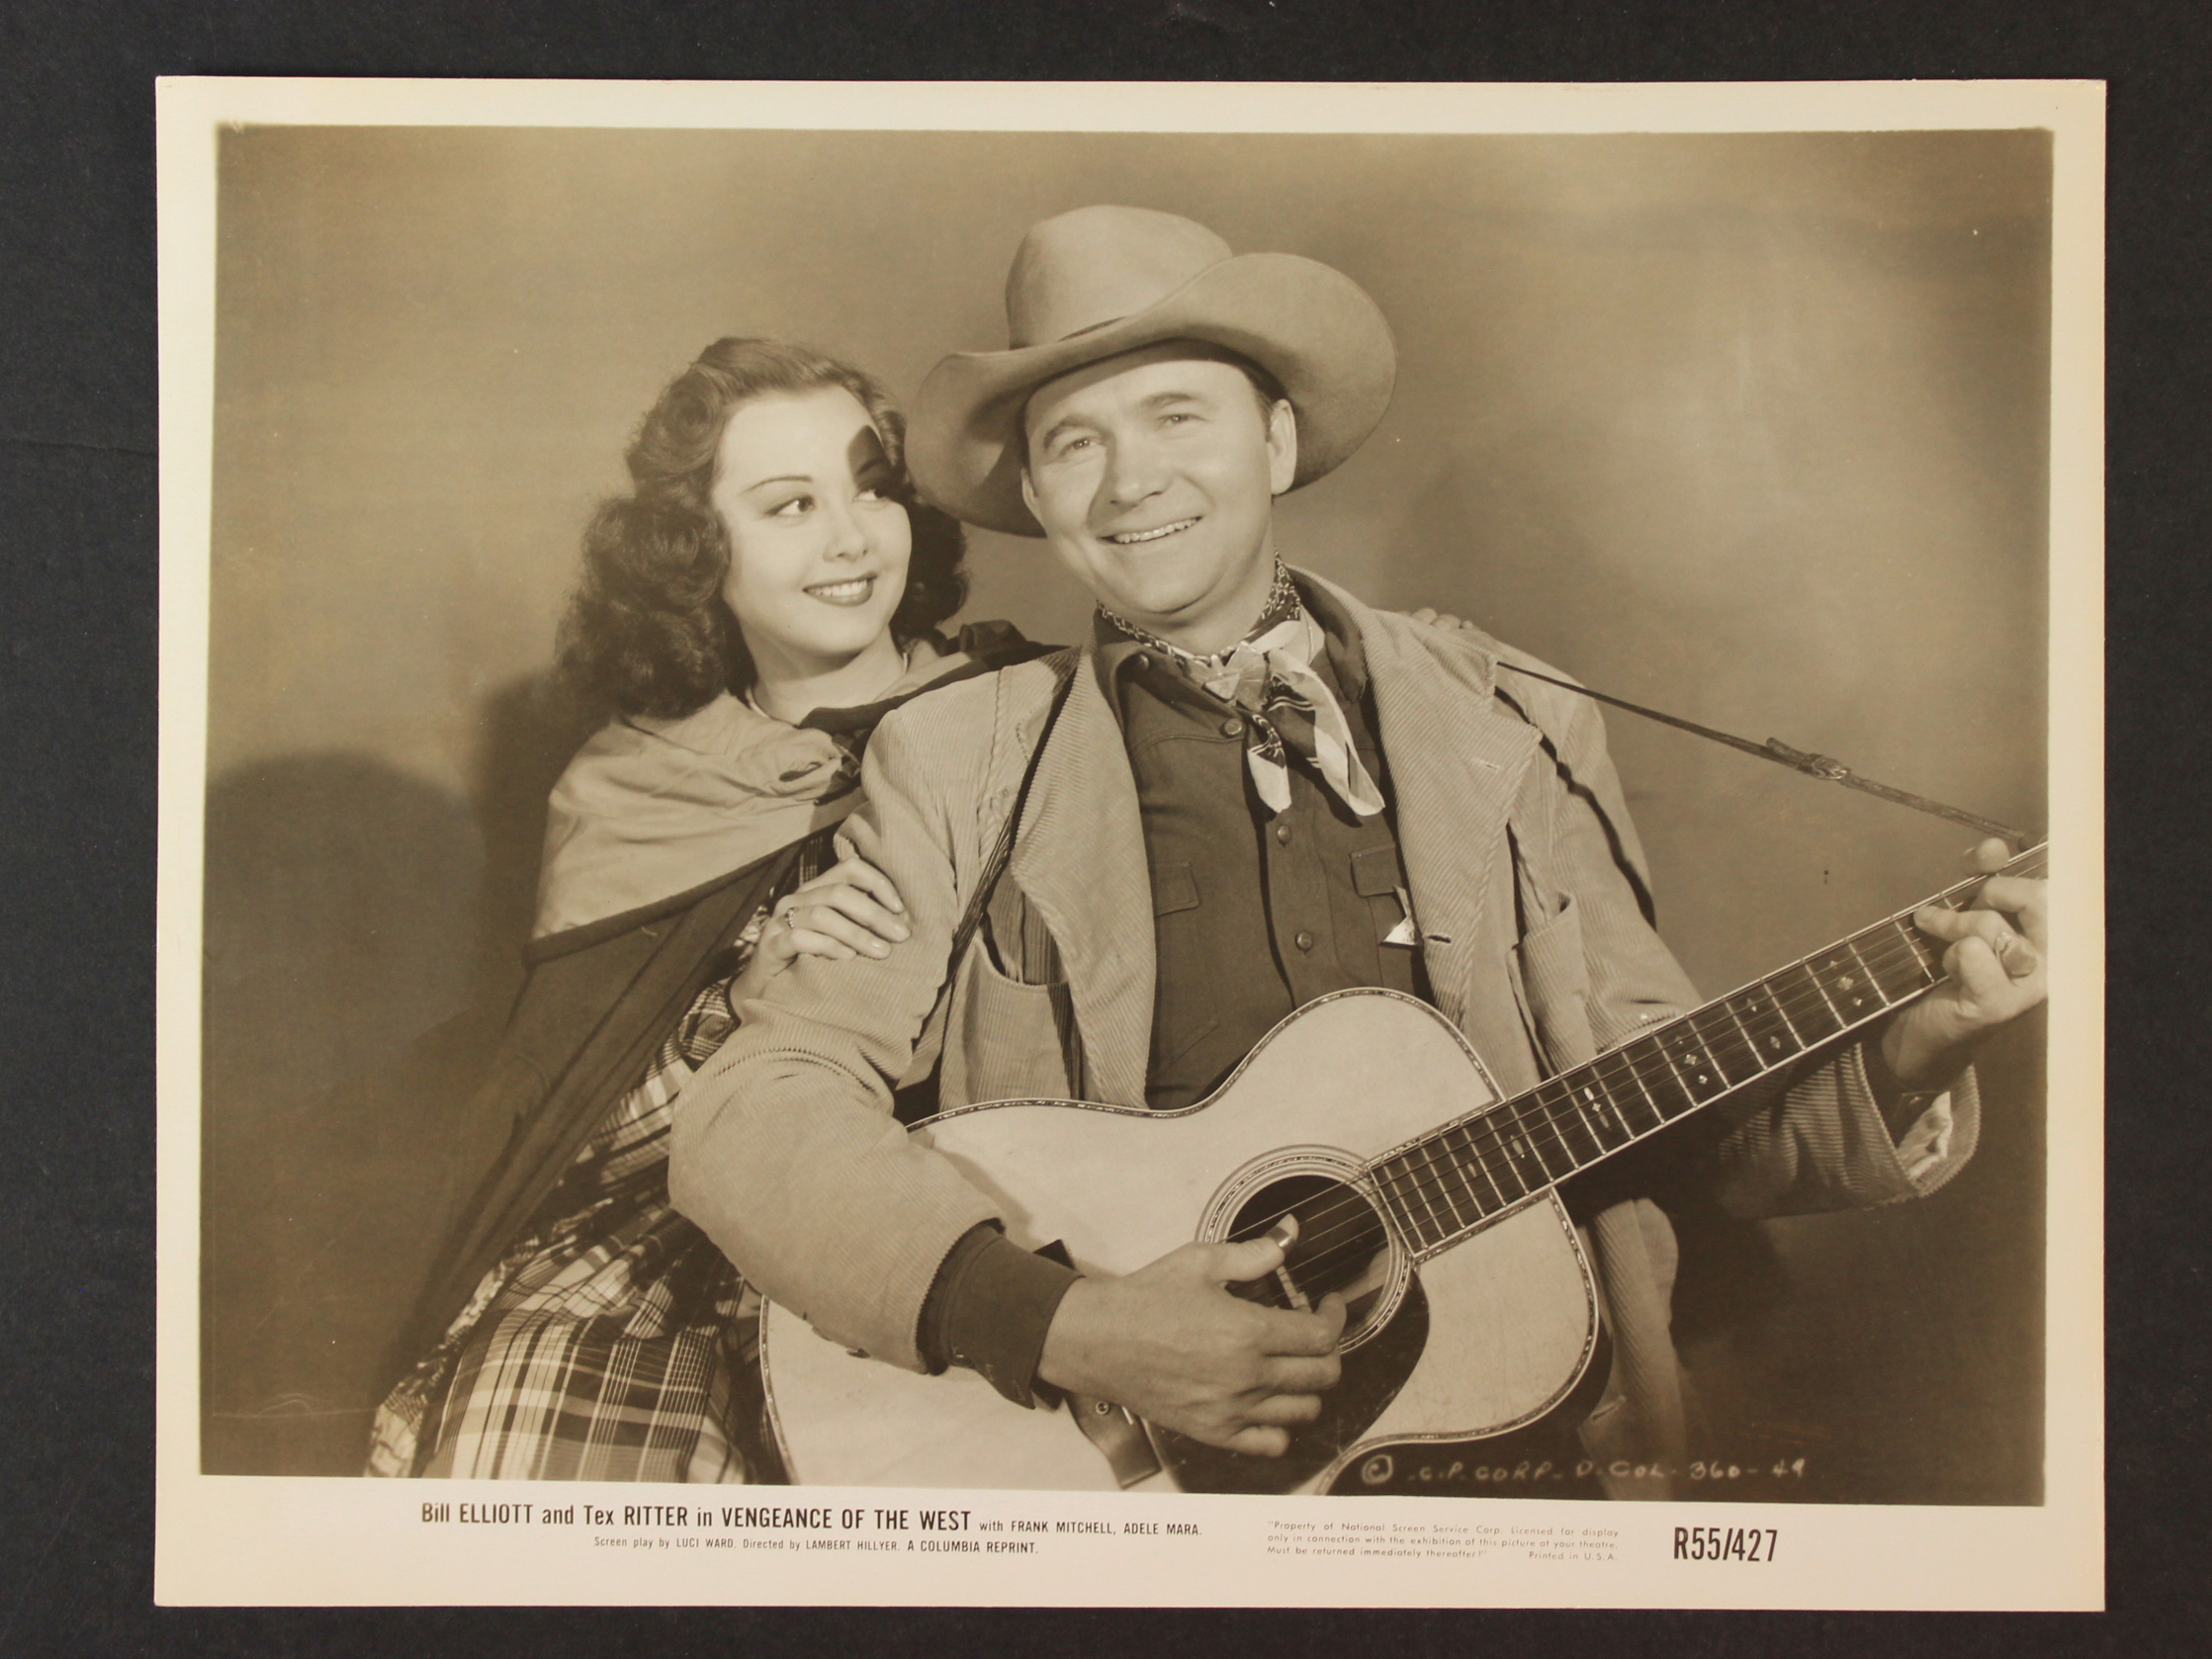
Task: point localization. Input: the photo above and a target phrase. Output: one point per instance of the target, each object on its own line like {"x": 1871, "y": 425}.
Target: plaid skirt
{"x": 614, "y": 1342}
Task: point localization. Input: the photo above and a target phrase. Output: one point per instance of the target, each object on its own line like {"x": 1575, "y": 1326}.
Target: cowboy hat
{"x": 1098, "y": 282}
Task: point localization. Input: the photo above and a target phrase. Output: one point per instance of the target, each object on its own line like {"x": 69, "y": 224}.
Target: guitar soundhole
{"x": 1342, "y": 1249}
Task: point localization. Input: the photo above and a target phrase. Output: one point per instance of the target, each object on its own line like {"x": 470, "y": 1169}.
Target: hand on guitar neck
{"x": 1169, "y": 1343}
{"x": 1996, "y": 963}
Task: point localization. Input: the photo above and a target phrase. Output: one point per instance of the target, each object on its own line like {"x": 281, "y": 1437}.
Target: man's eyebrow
{"x": 1044, "y": 439}
{"x": 1157, "y": 400}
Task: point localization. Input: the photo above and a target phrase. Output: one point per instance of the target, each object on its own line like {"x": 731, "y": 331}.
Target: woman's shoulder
{"x": 725, "y": 727}
{"x": 725, "y": 747}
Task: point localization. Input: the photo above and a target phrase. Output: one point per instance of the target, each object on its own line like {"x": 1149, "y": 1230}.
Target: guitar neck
{"x": 1454, "y": 1181}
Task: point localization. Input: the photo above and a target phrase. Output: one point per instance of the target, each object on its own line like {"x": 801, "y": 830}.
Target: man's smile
{"x": 1132, "y": 538}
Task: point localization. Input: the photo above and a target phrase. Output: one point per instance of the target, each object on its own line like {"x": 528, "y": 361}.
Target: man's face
{"x": 1154, "y": 476}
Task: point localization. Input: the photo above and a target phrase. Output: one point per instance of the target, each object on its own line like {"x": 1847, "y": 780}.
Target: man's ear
{"x": 1283, "y": 446}
{"x": 1028, "y": 493}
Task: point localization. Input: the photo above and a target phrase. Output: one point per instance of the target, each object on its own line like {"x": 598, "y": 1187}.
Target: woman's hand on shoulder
{"x": 849, "y": 909}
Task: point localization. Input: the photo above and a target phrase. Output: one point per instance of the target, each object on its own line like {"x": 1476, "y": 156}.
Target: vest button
{"x": 1232, "y": 727}
{"x": 1304, "y": 940}
{"x": 1144, "y": 661}
{"x": 1282, "y": 834}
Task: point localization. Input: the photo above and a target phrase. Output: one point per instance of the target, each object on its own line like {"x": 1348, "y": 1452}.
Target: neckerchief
{"x": 1269, "y": 677}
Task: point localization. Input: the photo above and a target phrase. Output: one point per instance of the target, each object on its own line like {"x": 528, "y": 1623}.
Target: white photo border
{"x": 266, "y": 1540}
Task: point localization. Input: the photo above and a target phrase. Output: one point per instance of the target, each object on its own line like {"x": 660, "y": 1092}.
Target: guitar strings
{"x": 1612, "y": 1069}
{"x": 1887, "y": 935}
{"x": 1487, "y": 1133}
{"x": 1425, "y": 1189}
{"x": 1503, "y": 1124}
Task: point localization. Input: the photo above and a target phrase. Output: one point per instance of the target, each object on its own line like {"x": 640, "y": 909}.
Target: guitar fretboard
{"x": 1449, "y": 1182}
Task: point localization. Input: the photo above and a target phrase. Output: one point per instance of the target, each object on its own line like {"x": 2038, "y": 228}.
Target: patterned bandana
{"x": 1268, "y": 676}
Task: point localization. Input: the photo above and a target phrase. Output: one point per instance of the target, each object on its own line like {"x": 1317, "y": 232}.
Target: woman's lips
{"x": 853, "y": 590}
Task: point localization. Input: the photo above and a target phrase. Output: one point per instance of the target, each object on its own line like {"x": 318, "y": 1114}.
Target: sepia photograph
{"x": 962, "y": 800}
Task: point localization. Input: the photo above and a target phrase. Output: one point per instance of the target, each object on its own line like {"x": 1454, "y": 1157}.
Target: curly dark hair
{"x": 647, "y": 631}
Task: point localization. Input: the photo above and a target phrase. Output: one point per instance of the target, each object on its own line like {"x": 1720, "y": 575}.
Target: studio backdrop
{"x": 1749, "y": 427}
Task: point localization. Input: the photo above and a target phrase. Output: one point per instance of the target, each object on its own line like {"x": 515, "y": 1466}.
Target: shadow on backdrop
{"x": 1897, "y": 1350}
{"x": 363, "y": 932}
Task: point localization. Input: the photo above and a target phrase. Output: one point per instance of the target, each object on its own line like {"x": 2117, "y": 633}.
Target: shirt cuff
{"x": 989, "y": 1309}
{"x": 1920, "y": 1120}
{"x": 1926, "y": 1146}
{"x": 1901, "y": 1103}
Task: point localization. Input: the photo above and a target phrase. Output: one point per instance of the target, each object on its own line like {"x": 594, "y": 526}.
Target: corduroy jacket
{"x": 1530, "y": 893}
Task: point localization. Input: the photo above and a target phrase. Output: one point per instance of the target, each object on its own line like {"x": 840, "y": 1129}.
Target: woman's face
{"x": 817, "y": 547}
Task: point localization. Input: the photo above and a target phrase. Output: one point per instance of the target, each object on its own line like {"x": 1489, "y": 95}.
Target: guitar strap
{"x": 1796, "y": 760}
{"x": 917, "y": 1097}
{"x": 1002, "y": 850}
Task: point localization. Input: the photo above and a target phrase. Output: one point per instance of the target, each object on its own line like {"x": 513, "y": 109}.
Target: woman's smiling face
{"x": 818, "y": 546}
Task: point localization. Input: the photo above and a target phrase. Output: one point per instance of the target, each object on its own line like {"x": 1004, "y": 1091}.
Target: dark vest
{"x": 1253, "y": 913}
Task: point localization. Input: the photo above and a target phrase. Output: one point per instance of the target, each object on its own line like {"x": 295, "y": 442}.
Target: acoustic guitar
{"x": 1431, "y": 1203}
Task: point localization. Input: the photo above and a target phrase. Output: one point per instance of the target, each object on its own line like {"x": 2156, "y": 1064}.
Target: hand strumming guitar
{"x": 1169, "y": 1343}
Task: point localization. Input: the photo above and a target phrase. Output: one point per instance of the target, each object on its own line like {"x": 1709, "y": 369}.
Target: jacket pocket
{"x": 1009, "y": 1041}
{"x": 1551, "y": 980}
